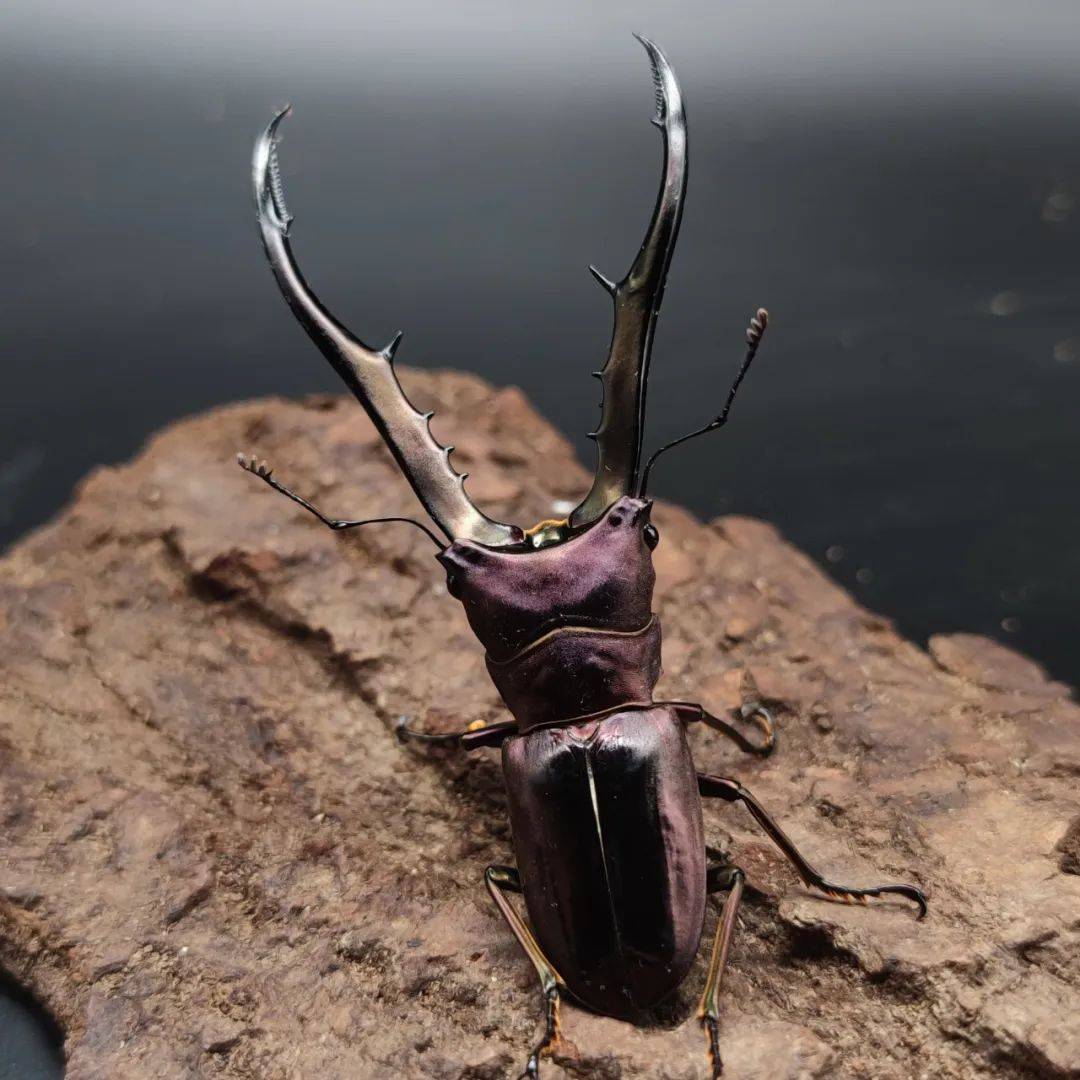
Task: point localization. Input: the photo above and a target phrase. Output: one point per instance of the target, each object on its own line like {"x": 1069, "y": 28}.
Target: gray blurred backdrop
{"x": 898, "y": 184}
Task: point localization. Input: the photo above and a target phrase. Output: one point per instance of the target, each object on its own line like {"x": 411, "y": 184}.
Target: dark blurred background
{"x": 898, "y": 184}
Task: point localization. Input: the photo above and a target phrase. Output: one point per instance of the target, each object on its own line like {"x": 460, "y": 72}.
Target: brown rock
{"x": 990, "y": 665}
{"x": 218, "y": 861}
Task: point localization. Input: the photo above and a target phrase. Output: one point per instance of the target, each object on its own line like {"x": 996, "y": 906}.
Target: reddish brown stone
{"x": 218, "y": 861}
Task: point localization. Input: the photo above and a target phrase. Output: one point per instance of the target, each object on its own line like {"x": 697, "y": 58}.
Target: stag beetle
{"x": 604, "y": 798}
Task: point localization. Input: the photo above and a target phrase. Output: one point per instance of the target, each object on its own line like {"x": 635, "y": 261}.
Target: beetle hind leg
{"x": 499, "y": 881}
{"x": 729, "y": 879}
{"x": 732, "y": 791}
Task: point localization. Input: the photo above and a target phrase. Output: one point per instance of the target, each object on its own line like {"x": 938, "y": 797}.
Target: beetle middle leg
{"x": 500, "y": 880}
{"x": 721, "y": 787}
{"x": 751, "y": 710}
{"x": 728, "y": 879}
{"x": 691, "y": 712}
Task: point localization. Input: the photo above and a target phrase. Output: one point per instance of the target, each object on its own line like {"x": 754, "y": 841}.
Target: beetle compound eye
{"x": 652, "y": 537}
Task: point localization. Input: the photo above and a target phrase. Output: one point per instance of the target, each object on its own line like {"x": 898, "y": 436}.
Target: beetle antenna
{"x": 754, "y": 333}
{"x": 263, "y": 471}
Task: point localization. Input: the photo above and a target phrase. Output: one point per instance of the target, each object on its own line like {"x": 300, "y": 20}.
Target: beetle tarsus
{"x": 552, "y": 1034}
{"x": 499, "y": 881}
{"x": 754, "y": 710}
{"x": 712, "y": 1033}
{"x": 859, "y": 896}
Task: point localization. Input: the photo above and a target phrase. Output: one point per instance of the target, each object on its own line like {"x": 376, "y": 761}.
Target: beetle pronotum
{"x": 604, "y": 798}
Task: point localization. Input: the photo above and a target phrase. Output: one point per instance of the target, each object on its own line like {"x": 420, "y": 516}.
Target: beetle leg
{"x": 732, "y": 791}
{"x": 407, "y": 734}
{"x": 720, "y": 879}
{"x": 763, "y": 718}
{"x": 691, "y": 712}
{"x": 751, "y": 710}
{"x": 476, "y": 734}
{"x": 500, "y": 878}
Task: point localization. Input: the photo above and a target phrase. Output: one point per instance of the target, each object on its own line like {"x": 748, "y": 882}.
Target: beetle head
{"x": 598, "y": 576}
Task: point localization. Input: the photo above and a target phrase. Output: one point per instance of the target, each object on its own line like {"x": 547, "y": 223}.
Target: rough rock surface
{"x": 217, "y": 860}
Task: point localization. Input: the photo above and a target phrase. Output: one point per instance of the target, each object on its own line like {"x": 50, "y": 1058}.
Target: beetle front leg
{"x": 476, "y": 734}
{"x": 500, "y": 878}
{"x": 721, "y": 787}
{"x": 729, "y": 879}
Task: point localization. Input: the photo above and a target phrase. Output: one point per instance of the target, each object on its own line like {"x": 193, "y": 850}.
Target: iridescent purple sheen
{"x": 609, "y": 842}
{"x": 572, "y": 673}
{"x": 606, "y": 813}
{"x": 603, "y": 577}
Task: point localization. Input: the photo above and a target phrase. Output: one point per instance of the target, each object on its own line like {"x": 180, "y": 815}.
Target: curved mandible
{"x": 637, "y": 303}
{"x": 367, "y": 372}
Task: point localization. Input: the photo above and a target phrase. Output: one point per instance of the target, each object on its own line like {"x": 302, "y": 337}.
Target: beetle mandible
{"x": 604, "y": 797}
